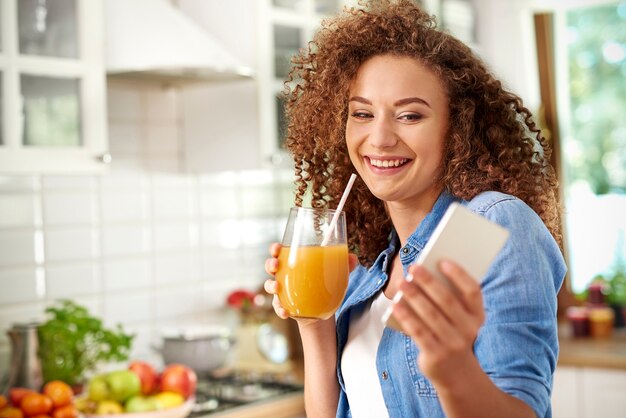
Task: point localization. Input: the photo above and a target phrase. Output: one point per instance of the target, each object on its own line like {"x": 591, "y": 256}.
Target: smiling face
{"x": 397, "y": 121}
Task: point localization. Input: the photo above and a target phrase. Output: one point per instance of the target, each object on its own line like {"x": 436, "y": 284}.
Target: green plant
{"x": 617, "y": 288}
{"x": 72, "y": 342}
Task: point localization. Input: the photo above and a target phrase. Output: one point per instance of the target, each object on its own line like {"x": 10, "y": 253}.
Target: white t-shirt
{"x": 358, "y": 361}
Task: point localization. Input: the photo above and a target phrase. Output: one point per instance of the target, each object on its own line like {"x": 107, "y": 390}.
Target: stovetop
{"x": 218, "y": 393}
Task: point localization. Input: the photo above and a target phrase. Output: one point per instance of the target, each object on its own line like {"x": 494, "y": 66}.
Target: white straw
{"x": 342, "y": 202}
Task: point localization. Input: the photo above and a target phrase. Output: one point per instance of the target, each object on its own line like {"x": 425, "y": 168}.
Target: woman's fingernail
{"x": 409, "y": 277}
{"x": 446, "y": 266}
{"x": 397, "y": 297}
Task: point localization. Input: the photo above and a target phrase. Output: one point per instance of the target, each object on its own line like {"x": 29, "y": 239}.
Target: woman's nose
{"x": 382, "y": 134}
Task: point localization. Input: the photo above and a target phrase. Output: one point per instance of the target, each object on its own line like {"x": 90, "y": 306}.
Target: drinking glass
{"x": 313, "y": 268}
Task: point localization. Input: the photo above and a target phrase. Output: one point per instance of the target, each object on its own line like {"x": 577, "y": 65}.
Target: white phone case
{"x": 464, "y": 237}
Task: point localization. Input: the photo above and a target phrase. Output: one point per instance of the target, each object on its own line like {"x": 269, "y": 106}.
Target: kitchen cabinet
{"x": 284, "y": 26}
{"x": 52, "y": 86}
{"x": 588, "y": 392}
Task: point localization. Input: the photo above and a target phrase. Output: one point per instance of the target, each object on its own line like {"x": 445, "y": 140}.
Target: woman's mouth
{"x": 386, "y": 164}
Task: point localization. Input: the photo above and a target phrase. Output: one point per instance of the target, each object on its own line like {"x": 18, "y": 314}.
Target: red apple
{"x": 147, "y": 375}
{"x": 180, "y": 379}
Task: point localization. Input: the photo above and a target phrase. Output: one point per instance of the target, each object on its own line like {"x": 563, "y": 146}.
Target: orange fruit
{"x": 36, "y": 404}
{"x": 11, "y": 412}
{"x": 3, "y": 401}
{"x": 40, "y": 416}
{"x": 67, "y": 411}
{"x": 60, "y": 392}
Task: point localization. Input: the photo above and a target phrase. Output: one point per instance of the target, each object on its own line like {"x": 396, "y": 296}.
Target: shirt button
{"x": 405, "y": 250}
{"x": 385, "y": 375}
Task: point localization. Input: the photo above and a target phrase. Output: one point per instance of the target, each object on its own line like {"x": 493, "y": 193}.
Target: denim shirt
{"x": 516, "y": 346}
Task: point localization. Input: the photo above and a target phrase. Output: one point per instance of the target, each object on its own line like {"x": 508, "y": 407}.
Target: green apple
{"x": 108, "y": 407}
{"x": 140, "y": 403}
{"x": 122, "y": 385}
{"x": 98, "y": 389}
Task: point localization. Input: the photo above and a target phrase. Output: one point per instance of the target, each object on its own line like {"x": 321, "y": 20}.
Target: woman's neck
{"x": 406, "y": 217}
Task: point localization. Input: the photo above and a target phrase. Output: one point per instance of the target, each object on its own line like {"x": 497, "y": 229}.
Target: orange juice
{"x": 316, "y": 284}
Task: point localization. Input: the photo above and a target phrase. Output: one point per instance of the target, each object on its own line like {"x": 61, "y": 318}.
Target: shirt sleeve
{"x": 518, "y": 344}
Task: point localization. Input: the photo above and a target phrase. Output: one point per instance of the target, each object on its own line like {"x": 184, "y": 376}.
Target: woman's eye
{"x": 361, "y": 115}
{"x": 411, "y": 117}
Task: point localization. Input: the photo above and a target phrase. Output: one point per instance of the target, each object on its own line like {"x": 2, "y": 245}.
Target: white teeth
{"x": 387, "y": 163}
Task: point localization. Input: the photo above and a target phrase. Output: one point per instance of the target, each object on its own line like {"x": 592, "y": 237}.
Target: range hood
{"x": 152, "y": 39}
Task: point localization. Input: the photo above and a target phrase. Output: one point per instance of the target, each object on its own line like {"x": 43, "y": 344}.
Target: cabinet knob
{"x": 105, "y": 158}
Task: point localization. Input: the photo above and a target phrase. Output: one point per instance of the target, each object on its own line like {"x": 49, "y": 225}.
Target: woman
{"x": 423, "y": 122}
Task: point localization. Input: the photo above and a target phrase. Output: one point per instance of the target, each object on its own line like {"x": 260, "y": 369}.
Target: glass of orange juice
{"x": 313, "y": 278}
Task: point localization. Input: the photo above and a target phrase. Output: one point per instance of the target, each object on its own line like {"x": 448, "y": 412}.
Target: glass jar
{"x": 579, "y": 319}
{"x": 601, "y": 322}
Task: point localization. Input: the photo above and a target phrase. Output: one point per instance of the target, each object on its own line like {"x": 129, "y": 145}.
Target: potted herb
{"x": 616, "y": 297}
{"x": 72, "y": 342}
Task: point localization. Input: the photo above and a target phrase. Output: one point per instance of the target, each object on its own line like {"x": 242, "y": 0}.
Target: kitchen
{"x": 176, "y": 223}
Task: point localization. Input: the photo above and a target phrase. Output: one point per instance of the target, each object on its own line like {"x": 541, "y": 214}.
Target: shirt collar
{"x": 418, "y": 239}
{"x": 425, "y": 229}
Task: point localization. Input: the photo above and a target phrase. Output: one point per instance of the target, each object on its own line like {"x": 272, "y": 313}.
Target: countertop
{"x": 592, "y": 352}
{"x": 287, "y": 406}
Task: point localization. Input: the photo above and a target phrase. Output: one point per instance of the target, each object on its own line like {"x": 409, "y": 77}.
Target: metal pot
{"x": 204, "y": 349}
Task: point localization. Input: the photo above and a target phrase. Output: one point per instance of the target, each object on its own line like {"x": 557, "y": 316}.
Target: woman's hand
{"x": 271, "y": 286}
{"x": 443, "y": 323}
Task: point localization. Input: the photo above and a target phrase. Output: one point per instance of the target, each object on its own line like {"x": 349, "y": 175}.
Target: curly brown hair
{"x": 492, "y": 142}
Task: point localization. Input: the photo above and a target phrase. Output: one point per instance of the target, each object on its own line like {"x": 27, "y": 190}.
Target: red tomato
{"x": 36, "y": 404}
{"x": 60, "y": 392}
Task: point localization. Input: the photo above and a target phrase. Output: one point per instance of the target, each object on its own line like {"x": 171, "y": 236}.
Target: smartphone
{"x": 462, "y": 236}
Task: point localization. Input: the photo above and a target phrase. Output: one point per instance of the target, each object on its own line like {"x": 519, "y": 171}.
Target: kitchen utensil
{"x": 272, "y": 344}
{"x": 202, "y": 348}
{"x": 25, "y": 369}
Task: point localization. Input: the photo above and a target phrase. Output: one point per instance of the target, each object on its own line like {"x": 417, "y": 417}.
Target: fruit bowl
{"x": 180, "y": 411}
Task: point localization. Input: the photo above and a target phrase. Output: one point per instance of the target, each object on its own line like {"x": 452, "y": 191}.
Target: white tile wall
{"x": 22, "y": 283}
{"x": 123, "y": 205}
{"x": 71, "y": 243}
{"x": 174, "y": 236}
{"x": 128, "y": 307}
{"x": 124, "y": 104}
{"x": 71, "y": 280}
{"x": 17, "y": 210}
{"x": 125, "y": 274}
{"x": 18, "y": 247}
{"x": 69, "y": 208}
{"x": 126, "y": 239}
{"x": 142, "y": 245}
{"x": 176, "y": 268}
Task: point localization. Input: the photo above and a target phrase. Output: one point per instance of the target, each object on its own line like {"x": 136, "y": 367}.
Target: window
{"x": 590, "y": 74}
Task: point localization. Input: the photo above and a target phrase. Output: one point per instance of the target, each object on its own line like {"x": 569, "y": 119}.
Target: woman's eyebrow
{"x": 360, "y": 100}
{"x": 400, "y": 102}
{"x": 408, "y": 100}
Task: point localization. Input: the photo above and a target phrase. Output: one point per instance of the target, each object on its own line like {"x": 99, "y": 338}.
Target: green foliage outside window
{"x": 596, "y": 149}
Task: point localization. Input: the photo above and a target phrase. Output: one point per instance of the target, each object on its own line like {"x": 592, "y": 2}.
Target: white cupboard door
{"x": 565, "y": 400}
{"x": 604, "y": 393}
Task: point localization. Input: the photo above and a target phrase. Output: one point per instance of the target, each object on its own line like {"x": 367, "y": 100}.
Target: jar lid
{"x": 577, "y": 312}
